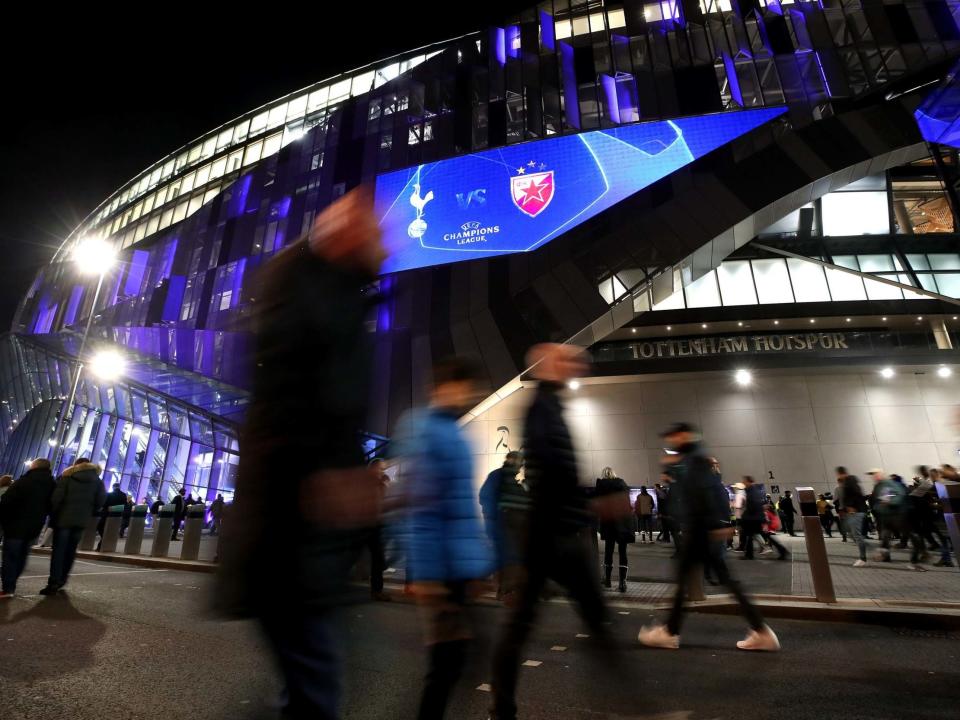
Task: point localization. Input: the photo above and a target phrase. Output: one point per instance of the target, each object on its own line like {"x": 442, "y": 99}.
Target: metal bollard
{"x": 950, "y": 500}
{"x": 138, "y": 521}
{"x": 192, "y": 531}
{"x": 89, "y": 538}
{"x": 111, "y": 529}
{"x": 162, "y": 529}
{"x": 816, "y": 547}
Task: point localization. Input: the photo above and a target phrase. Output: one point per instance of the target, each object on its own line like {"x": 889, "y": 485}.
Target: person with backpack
{"x": 891, "y": 507}
{"x": 755, "y": 520}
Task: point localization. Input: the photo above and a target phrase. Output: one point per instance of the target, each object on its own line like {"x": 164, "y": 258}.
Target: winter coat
{"x": 447, "y": 541}
{"x": 753, "y": 510}
{"x": 698, "y": 499}
{"x": 643, "y": 505}
{"x": 308, "y": 405}
{"x": 78, "y": 496}
{"x": 558, "y": 504}
{"x": 114, "y": 497}
{"x": 25, "y": 504}
{"x": 623, "y": 526}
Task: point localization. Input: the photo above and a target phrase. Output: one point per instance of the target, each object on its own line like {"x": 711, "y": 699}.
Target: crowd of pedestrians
{"x": 308, "y": 502}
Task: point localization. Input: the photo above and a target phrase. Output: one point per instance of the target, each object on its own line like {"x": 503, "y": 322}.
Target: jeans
{"x": 304, "y": 645}
{"x": 712, "y": 555}
{"x": 65, "y": 541}
{"x": 855, "y": 530}
{"x": 752, "y": 528}
{"x": 567, "y": 560}
{"x": 15, "y": 553}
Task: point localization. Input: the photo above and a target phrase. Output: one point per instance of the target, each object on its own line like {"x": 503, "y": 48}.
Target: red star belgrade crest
{"x": 532, "y": 192}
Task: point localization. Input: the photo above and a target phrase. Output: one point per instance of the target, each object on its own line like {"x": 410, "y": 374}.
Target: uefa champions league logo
{"x": 418, "y": 227}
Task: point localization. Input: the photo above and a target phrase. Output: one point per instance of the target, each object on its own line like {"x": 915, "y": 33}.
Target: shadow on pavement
{"x": 67, "y": 638}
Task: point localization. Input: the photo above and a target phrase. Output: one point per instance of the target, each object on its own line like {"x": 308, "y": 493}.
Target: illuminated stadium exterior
{"x": 626, "y": 176}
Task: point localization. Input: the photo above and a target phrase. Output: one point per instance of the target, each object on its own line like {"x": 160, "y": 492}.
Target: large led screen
{"x": 515, "y": 199}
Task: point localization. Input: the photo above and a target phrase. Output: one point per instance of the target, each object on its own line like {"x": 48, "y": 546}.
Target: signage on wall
{"x": 741, "y": 345}
{"x": 517, "y": 198}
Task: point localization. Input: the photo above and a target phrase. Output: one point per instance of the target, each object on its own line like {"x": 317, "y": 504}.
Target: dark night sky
{"x": 93, "y": 104}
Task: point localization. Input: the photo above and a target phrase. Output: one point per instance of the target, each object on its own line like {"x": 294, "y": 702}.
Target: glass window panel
{"x": 944, "y": 261}
{"x": 855, "y": 213}
{"x": 847, "y": 261}
{"x": 203, "y": 175}
{"x": 180, "y": 212}
{"x": 240, "y": 131}
{"x": 167, "y": 170}
{"x": 616, "y": 19}
{"x": 949, "y": 284}
{"x": 340, "y": 89}
{"x": 844, "y": 286}
{"x": 211, "y": 193}
{"x": 196, "y": 202}
{"x": 773, "y": 281}
{"x": 563, "y": 30}
{"x": 218, "y": 168}
{"x": 386, "y": 74}
{"x": 736, "y": 283}
{"x": 272, "y": 144}
{"x": 235, "y": 160}
{"x": 876, "y": 263}
{"x": 870, "y": 182}
{"x": 318, "y": 98}
{"x": 362, "y": 83}
{"x": 186, "y": 184}
{"x": 259, "y": 123}
{"x": 918, "y": 261}
{"x": 193, "y": 154}
{"x": 297, "y": 107}
{"x": 224, "y": 139}
{"x": 277, "y": 115}
{"x": 153, "y": 224}
{"x": 596, "y": 22}
{"x": 927, "y": 282}
{"x": 674, "y": 302}
{"x": 703, "y": 292}
{"x": 209, "y": 146}
{"x": 880, "y": 291}
{"x": 166, "y": 219}
{"x": 809, "y": 283}
{"x": 581, "y": 26}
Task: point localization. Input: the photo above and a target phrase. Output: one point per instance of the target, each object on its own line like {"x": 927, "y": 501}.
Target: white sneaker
{"x": 658, "y": 636}
{"x": 763, "y": 641}
{"x": 860, "y": 563}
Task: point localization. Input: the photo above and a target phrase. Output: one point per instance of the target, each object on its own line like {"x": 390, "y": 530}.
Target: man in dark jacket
{"x": 703, "y": 514}
{"x": 179, "y": 512}
{"x": 22, "y": 511}
{"x": 79, "y": 495}
{"x": 788, "y": 512}
{"x": 305, "y": 497}
{"x": 115, "y": 497}
{"x": 854, "y": 510}
{"x": 557, "y": 547}
{"x": 490, "y": 494}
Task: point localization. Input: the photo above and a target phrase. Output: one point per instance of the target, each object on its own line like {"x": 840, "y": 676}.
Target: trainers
{"x": 658, "y": 636}
{"x": 860, "y": 563}
{"x": 763, "y": 641}
{"x": 916, "y": 568}
{"x": 50, "y": 590}
{"x": 5, "y": 595}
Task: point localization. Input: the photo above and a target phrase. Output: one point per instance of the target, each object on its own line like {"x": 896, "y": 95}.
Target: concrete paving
{"x": 130, "y": 642}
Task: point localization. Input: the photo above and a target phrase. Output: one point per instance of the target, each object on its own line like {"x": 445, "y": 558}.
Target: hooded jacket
{"x": 79, "y": 495}
{"x": 24, "y": 506}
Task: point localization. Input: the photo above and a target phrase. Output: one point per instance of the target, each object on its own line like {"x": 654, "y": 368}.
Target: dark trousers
{"x": 378, "y": 561}
{"x": 305, "y": 647}
{"x": 567, "y": 560}
{"x": 749, "y": 530}
{"x": 788, "y": 524}
{"x": 646, "y": 524}
{"x": 65, "y": 541}
{"x": 449, "y": 630}
{"x": 712, "y": 556}
{"x": 608, "y": 552}
{"x": 15, "y": 554}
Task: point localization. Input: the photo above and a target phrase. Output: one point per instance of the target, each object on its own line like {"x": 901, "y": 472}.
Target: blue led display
{"x": 515, "y": 199}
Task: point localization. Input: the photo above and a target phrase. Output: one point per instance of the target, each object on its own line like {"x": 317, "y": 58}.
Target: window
{"x": 259, "y": 123}
{"x": 297, "y": 108}
{"x": 674, "y": 302}
{"x": 773, "y": 281}
{"x": 616, "y": 19}
{"x": 844, "y": 286}
{"x": 252, "y": 153}
{"x": 272, "y": 144}
{"x": 876, "y": 263}
{"x": 224, "y": 138}
{"x": 703, "y": 292}
{"x": 880, "y": 291}
{"x": 362, "y": 83}
{"x": 581, "y": 26}
{"x": 203, "y": 174}
{"x": 196, "y": 202}
{"x": 944, "y": 261}
{"x": 208, "y": 147}
{"x": 235, "y": 160}
{"x": 340, "y": 90}
{"x": 855, "y": 213}
{"x": 180, "y": 212}
{"x": 317, "y": 99}
{"x": 808, "y": 280}
{"x": 240, "y": 131}
{"x": 218, "y": 168}
{"x": 736, "y": 283}
{"x": 187, "y": 182}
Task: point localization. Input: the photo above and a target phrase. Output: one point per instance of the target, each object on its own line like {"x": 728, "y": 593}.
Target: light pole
{"x": 92, "y": 256}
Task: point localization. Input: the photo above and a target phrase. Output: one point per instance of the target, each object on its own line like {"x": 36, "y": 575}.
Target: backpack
{"x": 890, "y": 498}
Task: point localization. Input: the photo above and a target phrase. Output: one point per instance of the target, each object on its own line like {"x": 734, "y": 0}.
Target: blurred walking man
{"x": 23, "y": 509}
{"x": 705, "y": 520}
{"x": 557, "y": 547}
{"x": 855, "y": 509}
{"x": 305, "y": 497}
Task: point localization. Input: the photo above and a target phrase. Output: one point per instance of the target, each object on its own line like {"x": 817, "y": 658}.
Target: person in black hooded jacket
{"x": 703, "y": 514}
{"x": 23, "y": 509}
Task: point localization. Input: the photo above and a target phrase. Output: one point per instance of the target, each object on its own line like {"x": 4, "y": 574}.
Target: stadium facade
{"x": 687, "y": 188}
